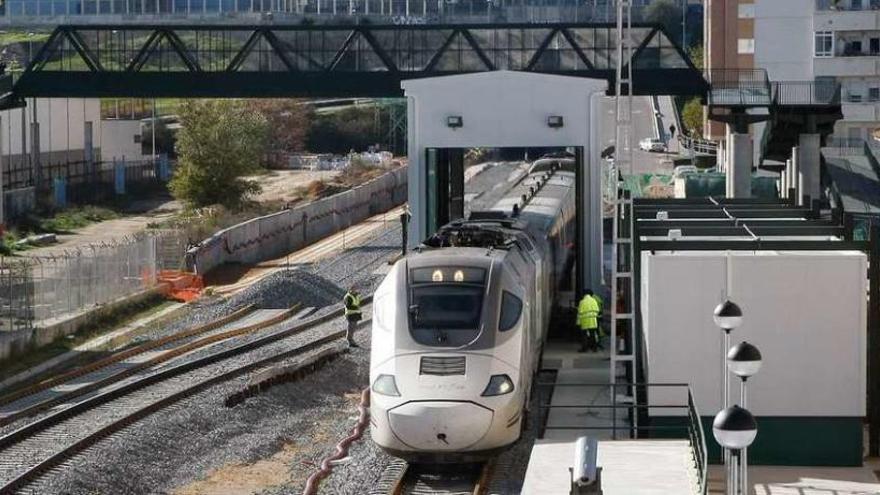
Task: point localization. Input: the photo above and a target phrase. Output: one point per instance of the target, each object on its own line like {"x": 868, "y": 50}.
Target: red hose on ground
{"x": 357, "y": 432}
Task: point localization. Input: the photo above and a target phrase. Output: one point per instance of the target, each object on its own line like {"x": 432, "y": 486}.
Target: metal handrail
{"x": 693, "y": 430}
{"x": 698, "y": 443}
{"x": 739, "y": 87}
{"x": 793, "y": 93}
{"x": 752, "y": 87}
{"x": 704, "y": 146}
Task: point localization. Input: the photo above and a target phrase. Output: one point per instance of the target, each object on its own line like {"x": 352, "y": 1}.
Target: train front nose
{"x": 439, "y": 426}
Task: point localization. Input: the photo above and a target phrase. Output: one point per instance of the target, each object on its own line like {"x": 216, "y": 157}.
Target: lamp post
{"x": 744, "y": 361}
{"x": 734, "y": 428}
{"x": 727, "y": 316}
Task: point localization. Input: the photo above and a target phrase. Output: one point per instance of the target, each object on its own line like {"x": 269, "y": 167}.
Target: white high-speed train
{"x": 459, "y": 324}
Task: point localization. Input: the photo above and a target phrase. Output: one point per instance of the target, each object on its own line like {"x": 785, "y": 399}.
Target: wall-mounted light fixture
{"x": 454, "y": 121}
{"x": 555, "y": 121}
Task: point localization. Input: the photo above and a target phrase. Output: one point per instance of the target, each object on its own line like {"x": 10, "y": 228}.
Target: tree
{"x": 219, "y": 142}
{"x": 692, "y": 117}
{"x": 696, "y": 55}
{"x": 666, "y": 13}
{"x": 289, "y": 122}
{"x": 352, "y": 128}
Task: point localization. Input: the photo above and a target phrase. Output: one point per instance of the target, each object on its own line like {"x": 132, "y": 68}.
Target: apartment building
{"x": 804, "y": 40}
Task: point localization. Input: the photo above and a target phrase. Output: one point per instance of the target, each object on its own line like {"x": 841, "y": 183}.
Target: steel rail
{"x": 32, "y": 473}
{"x": 406, "y": 481}
{"x": 165, "y": 356}
{"x": 92, "y": 402}
{"x": 35, "y": 472}
{"x": 119, "y": 356}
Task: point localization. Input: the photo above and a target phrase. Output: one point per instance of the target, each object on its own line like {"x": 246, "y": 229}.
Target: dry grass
{"x": 358, "y": 172}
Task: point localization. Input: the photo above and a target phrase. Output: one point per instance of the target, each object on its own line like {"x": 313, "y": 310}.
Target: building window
{"x": 853, "y": 48}
{"x": 873, "y": 94}
{"x": 874, "y": 46}
{"x": 745, "y": 46}
{"x": 824, "y": 44}
{"x": 746, "y": 10}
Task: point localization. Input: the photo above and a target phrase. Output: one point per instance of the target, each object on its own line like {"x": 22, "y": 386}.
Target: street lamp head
{"x": 744, "y": 360}
{"x": 728, "y": 315}
{"x": 734, "y": 428}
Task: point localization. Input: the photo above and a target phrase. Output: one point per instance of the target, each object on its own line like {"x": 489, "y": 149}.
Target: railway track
{"x": 45, "y": 444}
{"x": 119, "y": 366}
{"x": 401, "y": 478}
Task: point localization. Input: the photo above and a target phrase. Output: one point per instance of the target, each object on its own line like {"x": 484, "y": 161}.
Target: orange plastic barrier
{"x": 179, "y": 285}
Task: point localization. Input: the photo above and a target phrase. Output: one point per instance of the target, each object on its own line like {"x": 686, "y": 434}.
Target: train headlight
{"x": 385, "y": 385}
{"x": 498, "y": 385}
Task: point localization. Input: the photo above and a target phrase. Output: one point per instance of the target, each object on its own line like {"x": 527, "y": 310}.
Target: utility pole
{"x": 684, "y": 17}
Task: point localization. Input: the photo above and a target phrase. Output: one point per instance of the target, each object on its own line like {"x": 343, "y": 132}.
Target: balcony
{"x": 847, "y": 5}
{"x": 863, "y": 64}
{"x": 866, "y": 18}
{"x": 855, "y": 50}
{"x": 859, "y": 108}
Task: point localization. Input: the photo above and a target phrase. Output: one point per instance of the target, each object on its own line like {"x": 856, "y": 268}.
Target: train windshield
{"x": 446, "y": 304}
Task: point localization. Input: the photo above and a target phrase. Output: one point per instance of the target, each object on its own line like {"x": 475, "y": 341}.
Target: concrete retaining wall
{"x": 272, "y": 236}
{"x": 17, "y": 342}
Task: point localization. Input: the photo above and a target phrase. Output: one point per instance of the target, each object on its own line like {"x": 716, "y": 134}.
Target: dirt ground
{"x": 278, "y": 185}
{"x": 242, "y": 479}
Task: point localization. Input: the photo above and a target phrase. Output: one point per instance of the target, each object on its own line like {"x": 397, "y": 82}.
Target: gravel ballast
{"x": 184, "y": 443}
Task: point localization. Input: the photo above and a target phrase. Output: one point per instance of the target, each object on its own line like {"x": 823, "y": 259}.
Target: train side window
{"x": 511, "y": 307}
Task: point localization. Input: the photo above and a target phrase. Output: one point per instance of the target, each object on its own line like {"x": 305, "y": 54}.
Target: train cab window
{"x": 446, "y": 306}
{"x": 511, "y": 308}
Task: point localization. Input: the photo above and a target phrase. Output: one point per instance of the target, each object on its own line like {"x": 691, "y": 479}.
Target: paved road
{"x": 667, "y": 118}
{"x": 643, "y": 127}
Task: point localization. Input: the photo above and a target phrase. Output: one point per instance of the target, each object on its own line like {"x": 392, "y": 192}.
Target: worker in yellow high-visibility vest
{"x": 588, "y": 321}
{"x": 352, "y": 312}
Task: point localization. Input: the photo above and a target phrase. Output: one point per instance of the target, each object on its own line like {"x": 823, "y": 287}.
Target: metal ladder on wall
{"x": 622, "y": 242}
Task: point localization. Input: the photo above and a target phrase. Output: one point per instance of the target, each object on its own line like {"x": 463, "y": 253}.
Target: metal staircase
{"x": 622, "y": 312}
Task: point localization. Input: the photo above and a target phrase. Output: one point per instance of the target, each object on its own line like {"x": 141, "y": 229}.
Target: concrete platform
{"x": 575, "y": 368}
{"x": 629, "y": 467}
{"x": 803, "y": 480}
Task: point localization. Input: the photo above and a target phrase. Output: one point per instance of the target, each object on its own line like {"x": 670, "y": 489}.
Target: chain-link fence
{"x": 56, "y": 285}
{"x": 92, "y": 275}
{"x": 16, "y": 295}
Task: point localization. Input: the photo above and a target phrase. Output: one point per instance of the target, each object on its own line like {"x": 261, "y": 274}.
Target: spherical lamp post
{"x": 734, "y": 429}
{"x": 727, "y": 316}
{"x": 744, "y": 361}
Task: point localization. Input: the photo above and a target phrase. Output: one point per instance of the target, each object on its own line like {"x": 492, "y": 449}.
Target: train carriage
{"x": 458, "y": 324}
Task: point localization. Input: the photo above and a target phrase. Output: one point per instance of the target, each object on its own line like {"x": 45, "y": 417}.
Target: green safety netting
{"x": 649, "y": 185}
{"x": 697, "y": 185}
{"x": 861, "y": 229}
{"x": 713, "y": 184}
